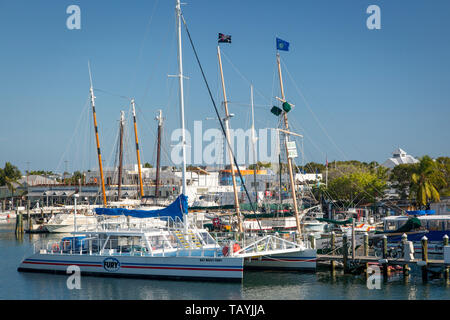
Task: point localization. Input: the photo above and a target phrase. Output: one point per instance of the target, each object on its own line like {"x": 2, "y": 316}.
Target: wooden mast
{"x": 122, "y": 122}
{"x": 230, "y": 153}
{"x": 100, "y": 165}
{"x": 158, "y": 155}
{"x": 141, "y": 187}
{"x": 289, "y": 160}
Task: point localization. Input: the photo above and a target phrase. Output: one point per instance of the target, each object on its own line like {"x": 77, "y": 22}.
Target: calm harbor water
{"x": 257, "y": 285}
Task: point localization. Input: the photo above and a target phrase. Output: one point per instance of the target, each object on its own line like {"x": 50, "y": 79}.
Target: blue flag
{"x": 282, "y": 45}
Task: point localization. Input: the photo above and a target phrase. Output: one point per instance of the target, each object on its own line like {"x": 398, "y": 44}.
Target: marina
{"x": 248, "y": 207}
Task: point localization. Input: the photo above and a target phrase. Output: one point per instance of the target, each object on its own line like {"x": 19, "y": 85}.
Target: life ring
{"x": 55, "y": 247}
{"x": 236, "y": 247}
{"x": 225, "y": 251}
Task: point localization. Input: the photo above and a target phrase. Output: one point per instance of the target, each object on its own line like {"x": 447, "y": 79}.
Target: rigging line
{"x": 243, "y": 77}
{"x": 86, "y": 107}
{"x": 249, "y": 105}
{"x": 142, "y": 44}
{"x": 310, "y": 110}
{"x": 113, "y": 94}
{"x": 218, "y": 115}
{"x": 294, "y": 126}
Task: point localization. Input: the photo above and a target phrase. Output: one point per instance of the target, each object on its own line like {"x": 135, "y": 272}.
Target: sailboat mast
{"x": 100, "y": 165}
{"x": 122, "y": 122}
{"x": 141, "y": 187}
{"x": 180, "y": 79}
{"x": 230, "y": 153}
{"x": 254, "y": 145}
{"x": 289, "y": 160}
{"x": 158, "y": 155}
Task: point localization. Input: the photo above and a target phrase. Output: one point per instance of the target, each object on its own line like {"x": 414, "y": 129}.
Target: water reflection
{"x": 257, "y": 285}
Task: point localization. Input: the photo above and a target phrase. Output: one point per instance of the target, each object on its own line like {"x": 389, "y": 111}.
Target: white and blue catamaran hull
{"x": 194, "y": 268}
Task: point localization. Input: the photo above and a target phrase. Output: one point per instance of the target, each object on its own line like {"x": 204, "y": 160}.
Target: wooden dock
{"x": 372, "y": 259}
{"x": 353, "y": 263}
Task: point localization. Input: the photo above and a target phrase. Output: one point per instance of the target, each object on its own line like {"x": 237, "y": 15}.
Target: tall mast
{"x": 100, "y": 165}
{"x": 183, "y": 130}
{"x": 141, "y": 187}
{"x": 230, "y": 153}
{"x": 122, "y": 122}
{"x": 289, "y": 160}
{"x": 254, "y": 145}
{"x": 158, "y": 156}
{"x": 180, "y": 79}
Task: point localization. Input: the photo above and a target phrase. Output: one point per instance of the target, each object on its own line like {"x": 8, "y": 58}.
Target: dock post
{"x": 353, "y": 239}
{"x": 333, "y": 251}
{"x": 446, "y": 268}
{"x": 424, "y": 258}
{"x": 28, "y": 216}
{"x": 19, "y": 223}
{"x": 345, "y": 252}
{"x": 385, "y": 265}
{"x": 404, "y": 243}
{"x": 366, "y": 251}
{"x": 312, "y": 241}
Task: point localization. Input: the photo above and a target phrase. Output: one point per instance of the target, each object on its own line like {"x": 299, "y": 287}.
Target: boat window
{"x": 434, "y": 225}
{"x": 391, "y": 225}
{"x": 447, "y": 225}
{"x": 401, "y": 223}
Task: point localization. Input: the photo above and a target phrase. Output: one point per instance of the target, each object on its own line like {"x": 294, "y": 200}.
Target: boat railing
{"x": 142, "y": 247}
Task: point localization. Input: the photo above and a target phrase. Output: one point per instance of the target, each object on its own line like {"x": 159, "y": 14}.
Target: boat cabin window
{"x": 434, "y": 225}
{"x": 446, "y": 224}
{"x": 158, "y": 242}
{"x": 390, "y": 225}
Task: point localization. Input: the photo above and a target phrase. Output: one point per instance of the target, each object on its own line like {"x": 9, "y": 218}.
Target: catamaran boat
{"x": 173, "y": 251}
{"x": 176, "y": 250}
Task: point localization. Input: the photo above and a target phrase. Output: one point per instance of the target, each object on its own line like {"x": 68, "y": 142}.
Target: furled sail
{"x": 176, "y": 209}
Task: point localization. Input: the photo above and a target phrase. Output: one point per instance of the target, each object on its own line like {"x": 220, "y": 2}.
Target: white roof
{"x": 399, "y": 157}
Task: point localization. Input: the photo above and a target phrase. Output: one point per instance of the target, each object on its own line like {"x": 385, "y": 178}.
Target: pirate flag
{"x": 223, "y": 38}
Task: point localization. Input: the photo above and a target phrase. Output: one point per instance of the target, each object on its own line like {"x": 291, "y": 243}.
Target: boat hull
{"x": 204, "y": 268}
{"x": 303, "y": 260}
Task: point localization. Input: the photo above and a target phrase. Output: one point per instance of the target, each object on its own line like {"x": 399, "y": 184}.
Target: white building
{"x": 399, "y": 156}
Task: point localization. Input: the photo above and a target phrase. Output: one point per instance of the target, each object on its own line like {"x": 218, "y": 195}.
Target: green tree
{"x": 425, "y": 182}
{"x": 400, "y": 178}
{"x": 443, "y": 164}
{"x": 147, "y": 165}
{"x": 9, "y": 176}
{"x": 354, "y": 183}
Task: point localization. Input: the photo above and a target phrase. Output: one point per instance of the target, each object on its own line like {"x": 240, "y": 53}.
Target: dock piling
{"x": 424, "y": 258}
{"x": 385, "y": 256}
{"x": 333, "y": 251}
{"x": 366, "y": 251}
{"x": 345, "y": 252}
{"x": 312, "y": 241}
{"x": 404, "y": 244}
{"x": 446, "y": 267}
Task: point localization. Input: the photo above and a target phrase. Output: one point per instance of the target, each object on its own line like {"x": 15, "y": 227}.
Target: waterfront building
{"x": 399, "y": 156}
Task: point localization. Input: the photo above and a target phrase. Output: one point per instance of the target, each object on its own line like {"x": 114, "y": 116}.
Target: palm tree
{"x": 425, "y": 181}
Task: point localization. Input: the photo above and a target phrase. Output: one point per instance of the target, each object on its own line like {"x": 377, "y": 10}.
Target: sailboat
{"x": 304, "y": 257}
{"x": 174, "y": 248}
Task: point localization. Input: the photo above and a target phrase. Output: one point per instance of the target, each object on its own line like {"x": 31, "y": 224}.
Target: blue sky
{"x": 358, "y": 93}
